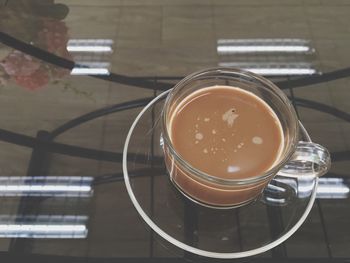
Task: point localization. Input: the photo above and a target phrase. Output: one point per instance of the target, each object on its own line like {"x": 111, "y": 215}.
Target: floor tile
{"x": 310, "y": 100}
{"x": 139, "y": 27}
{"x": 120, "y": 234}
{"x": 336, "y": 225}
{"x": 190, "y": 27}
{"x": 309, "y": 239}
{"x": 329, "y": 23}
{"x": 85, "y": 22}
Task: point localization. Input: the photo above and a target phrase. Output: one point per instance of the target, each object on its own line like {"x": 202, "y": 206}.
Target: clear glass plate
{"x": 217, "y": 233}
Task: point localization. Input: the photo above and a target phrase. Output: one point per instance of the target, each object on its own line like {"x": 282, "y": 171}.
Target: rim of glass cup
{"x": 232, "y": 72}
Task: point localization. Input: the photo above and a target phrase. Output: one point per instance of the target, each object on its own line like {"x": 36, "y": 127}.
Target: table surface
{"x": 74, "y": 75}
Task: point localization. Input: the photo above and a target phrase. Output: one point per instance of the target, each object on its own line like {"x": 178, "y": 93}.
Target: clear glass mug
{"x": 298, "y": 158}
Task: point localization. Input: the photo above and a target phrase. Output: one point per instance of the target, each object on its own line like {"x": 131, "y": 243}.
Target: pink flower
{"x": 37, "y": 80}
{"x": 19, "y": 64}
{"x": 53, "y": 35}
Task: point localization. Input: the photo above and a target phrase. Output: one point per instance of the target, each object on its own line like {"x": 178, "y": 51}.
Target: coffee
{"x": 226, "y": 132}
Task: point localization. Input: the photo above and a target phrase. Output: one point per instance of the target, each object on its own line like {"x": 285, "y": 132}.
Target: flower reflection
{"x": 54, "y": 36}
{"x": 31, "y": 73}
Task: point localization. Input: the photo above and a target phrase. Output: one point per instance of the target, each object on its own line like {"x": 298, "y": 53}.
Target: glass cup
{"x": 298, "y": 158}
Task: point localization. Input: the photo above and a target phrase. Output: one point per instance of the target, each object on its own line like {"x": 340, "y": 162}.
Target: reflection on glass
{"x": 273, "y": 69}
{"x": 231, "y": 46}
{"x": 278, "y": 56}
{"x": 333, "y": 188}
{"x": 272, "y": 200}
{"x": 89, "y": 71}
{"x": 43, "y": 226}
{"x": 47, "y": 32}
{"x": 328, "y": 188}
{"x": 90, "y": 45}
{"x": 91, "y": 68}
{"x": 65, "y": 186}
{"x": 90, "y": 56}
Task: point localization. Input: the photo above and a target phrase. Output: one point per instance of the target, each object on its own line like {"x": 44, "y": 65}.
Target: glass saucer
{"x": 217, "y": 233}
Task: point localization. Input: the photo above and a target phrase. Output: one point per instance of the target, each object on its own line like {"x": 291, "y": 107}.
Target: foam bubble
{"x": 206, "y": 119}
{"x": 230, "y": 116}
{"x": 213, "y": 131}
{"x": 233, "y": 169}
{"x": 257, "y": 140}
{"x": 205, "y": 150}
{"x": 240, "y": 145}
{"x": 199, "y": 136}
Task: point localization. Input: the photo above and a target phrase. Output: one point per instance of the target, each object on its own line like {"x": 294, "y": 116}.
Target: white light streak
{"x": 89, "y": 49}
{"x": 89, "y": 71}
{"x": 43, "y": 226}
{"x": 280, "y": 45}
{"x": 26, "y": 228}
{"x": 90, "y": 45}
{"x": 255, "y": 49}
{"x": 271, "y": 71}
{"x": 46, "y": 186}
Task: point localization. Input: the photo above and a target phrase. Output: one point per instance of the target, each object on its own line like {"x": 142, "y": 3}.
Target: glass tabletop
{"x": 75, "y": 74}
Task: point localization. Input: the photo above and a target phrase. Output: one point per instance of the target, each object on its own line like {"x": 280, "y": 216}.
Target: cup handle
{"x": 309, "y": 159}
